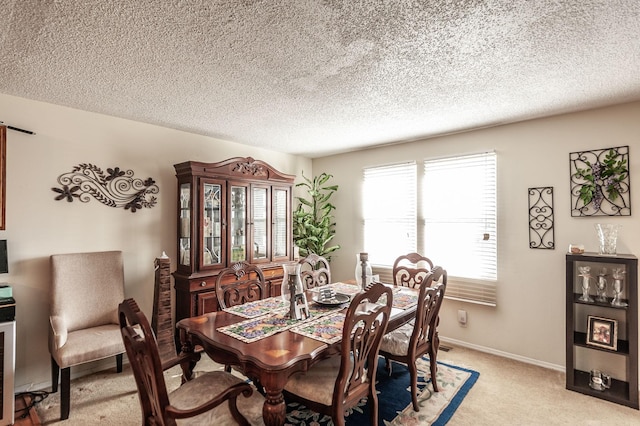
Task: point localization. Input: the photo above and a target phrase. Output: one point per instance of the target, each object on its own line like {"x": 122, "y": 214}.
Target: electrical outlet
{"x": 462, "y": 317}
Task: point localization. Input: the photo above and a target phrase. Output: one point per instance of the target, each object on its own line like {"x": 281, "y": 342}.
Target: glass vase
{"x": 607, "y": 237}
{"x": 363, "y": 270}
{"x": 292, "y": 270}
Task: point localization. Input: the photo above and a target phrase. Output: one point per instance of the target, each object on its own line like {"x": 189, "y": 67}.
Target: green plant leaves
{"x": 313, "y": 223}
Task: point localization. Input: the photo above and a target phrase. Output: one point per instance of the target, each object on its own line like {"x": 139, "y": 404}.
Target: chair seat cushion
{"x": 201, "y": 389}
{"x": 318, "y": 383}
{"x": 396, "y": 342}
{"x": 89, "y": 344}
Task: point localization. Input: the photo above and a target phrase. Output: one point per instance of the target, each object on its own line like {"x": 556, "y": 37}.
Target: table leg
{"x": 274, "y": 411}
{"x": 190, "y": 357}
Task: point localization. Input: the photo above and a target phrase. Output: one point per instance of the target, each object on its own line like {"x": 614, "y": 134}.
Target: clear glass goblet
{"x": 585, "y": 273}
{"x": 618, "y": 286}
{"x": 601, "y": 286}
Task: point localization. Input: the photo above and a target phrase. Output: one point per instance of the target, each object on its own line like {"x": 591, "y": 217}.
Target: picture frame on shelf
{"x": 602, "y": 332}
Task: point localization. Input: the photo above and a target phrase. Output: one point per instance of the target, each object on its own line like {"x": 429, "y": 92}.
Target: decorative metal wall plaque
{"x": 115, "y": 188}
{"x": 541, "y": 233}
{"x": 600, "y": 183}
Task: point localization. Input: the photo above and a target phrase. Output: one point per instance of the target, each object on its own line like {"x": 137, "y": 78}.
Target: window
{"x": 458, "y": 200}
{"x": 390, "y": 212}
{"x": 459, "y": 208}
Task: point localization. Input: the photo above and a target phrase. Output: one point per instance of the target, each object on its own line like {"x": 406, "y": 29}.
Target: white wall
{"x": 38, "y": 226}
{"x": 529, "y": 319}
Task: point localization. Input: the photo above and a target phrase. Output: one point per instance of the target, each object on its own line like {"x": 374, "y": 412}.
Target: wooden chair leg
{"x": 413, "y": 377}
{"x": 119, "y": 363}
{"x": 434, "y": 370}
{"x": 388, "y": 365}
{"x": 373, "y": 396}
{"x": 65, "y": 393}
{"x": 55, "y": 375}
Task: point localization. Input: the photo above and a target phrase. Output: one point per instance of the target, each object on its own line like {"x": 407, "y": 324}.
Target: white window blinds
{"x": 459, "y": 205}
{"x": 390, "y": 212}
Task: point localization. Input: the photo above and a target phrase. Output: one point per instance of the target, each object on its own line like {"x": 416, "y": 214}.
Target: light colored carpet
{"x": 507, "y": 393}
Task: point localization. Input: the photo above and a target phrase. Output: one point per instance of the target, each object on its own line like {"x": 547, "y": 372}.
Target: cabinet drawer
{"x": 272, "y": 273}
{"x": 204, "y": 283}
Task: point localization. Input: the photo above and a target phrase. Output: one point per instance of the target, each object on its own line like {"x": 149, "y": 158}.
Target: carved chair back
{"x": 315, "y": 271}
{"x": 429, "y": 302}
{"x": 239, "y": 284}
{"x": 142, "y": 351}
{"x": 365, "y": 323}
{"x": 410, "y": 270}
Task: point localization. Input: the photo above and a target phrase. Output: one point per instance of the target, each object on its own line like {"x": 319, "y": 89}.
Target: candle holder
{"x": 601, "y": 286}
{"x": 585, "y": 273}
{"x": 363, "y": 271}
{"x": 618, "y": 286}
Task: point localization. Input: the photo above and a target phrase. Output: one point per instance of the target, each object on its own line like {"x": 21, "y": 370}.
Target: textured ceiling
{"x": 316, "y": 77}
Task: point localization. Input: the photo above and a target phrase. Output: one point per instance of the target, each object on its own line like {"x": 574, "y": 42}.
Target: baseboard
{"x": 503, "y": 354}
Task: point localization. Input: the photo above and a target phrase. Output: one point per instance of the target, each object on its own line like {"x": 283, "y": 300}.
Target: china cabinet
{"x": 602, "y": 326}
{"x": 231, "y": 211}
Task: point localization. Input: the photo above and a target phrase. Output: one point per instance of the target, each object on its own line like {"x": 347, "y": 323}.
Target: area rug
{"x": 111, "y": 399}
{"x": 394, "y": 398}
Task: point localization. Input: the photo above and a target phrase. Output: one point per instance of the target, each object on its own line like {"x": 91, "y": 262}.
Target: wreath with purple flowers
{"x": 600, "y": 182}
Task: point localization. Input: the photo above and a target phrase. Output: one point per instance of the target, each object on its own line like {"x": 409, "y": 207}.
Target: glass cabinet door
{"x": 211, "y": 224}
{"x": 259, "y": 203}
{"x": 184, "y": 242}
{"x": 238, "y": 217}
{"x": 279, "y": 231}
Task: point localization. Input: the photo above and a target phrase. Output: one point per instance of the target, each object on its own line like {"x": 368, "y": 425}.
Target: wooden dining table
{"x": 270, "y": 360}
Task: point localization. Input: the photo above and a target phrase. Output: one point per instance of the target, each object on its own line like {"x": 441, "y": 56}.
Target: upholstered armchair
{"x": 86, "y": 289}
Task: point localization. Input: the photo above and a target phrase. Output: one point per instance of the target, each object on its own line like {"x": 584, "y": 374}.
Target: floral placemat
{"x": 258, "y": 308}
{"x": 255, "y": 329}
{"x": 340, "y": 287}
{"x": 327, "y": 329}
{"x": 404, "y": 300}
{"x": 268, "y": 324}
{"x": 401, "y": 299}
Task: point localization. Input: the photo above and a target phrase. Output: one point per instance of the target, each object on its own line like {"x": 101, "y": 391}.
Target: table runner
{"x": 270, "y": 316}
{"x": 340, "y": 287}
{"x": 402, "y": 298}
{"x": 254, "y": 329}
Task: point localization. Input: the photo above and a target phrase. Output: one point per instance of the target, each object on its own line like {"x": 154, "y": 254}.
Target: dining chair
{"x": 315, "y": 271}
{"x": 419, "y": 337}
{"x": 338, "y": 383}
{"x": 199, "y": 401}
{"x": 409, "y": 270}
{"x": 83, "y": 322}
{"x": 240, "y": 283}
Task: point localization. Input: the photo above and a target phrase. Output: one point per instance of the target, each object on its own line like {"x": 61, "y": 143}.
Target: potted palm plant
{"x": 313, "y": 222}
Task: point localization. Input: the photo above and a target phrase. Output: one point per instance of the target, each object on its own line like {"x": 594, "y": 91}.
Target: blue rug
{"x": 394, "y": 398}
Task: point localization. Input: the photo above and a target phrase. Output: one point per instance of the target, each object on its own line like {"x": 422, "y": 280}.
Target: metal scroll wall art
{"x": 115, "y": 188}
{"x": 600, "y": 182}
{"x": 541, "y": 232}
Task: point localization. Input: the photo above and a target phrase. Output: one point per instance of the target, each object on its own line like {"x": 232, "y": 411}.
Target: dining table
{"x": 265, "y": 344}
